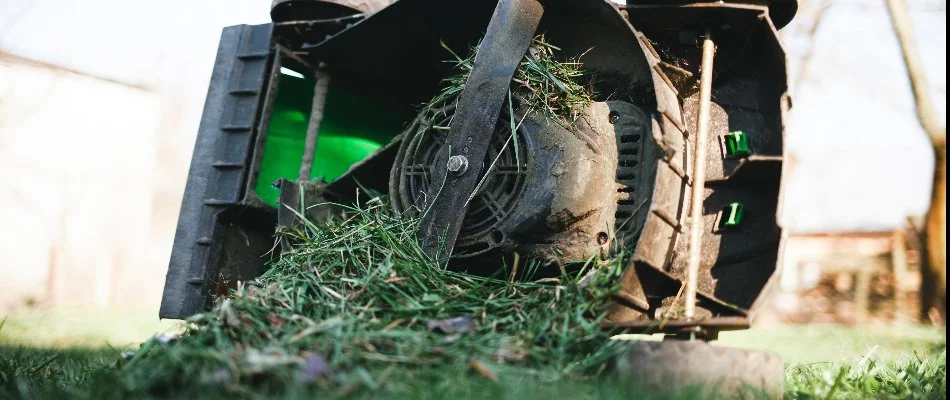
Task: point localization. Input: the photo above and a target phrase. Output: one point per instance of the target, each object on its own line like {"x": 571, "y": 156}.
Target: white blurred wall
{"x": 78, "y": 187}
{"x": 99, "y": 106}
{"x": 100, "y": 102}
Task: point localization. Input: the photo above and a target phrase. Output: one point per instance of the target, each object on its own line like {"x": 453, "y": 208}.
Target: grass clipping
{"x": 542, "y": 83}
{"x": 358, "y": 304}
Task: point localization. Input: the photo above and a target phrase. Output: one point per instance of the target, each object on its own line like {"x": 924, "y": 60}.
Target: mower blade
{"x": 506, "y": 41}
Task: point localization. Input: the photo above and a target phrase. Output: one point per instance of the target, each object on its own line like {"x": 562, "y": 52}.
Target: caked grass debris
{"x": 542, "y": 83}
{"x": 356, "y": 303}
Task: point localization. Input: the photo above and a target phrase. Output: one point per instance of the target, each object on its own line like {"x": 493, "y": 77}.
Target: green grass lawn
{"x": 803, "y": 344}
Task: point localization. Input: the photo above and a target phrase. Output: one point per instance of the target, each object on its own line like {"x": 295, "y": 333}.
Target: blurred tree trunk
{"x": 934, "y": 261}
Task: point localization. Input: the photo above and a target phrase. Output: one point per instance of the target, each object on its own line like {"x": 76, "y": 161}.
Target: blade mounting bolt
{"x": 457, "y": 165}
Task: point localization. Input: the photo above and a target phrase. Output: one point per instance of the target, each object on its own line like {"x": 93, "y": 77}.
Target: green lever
{"x": 737, "y": 144}
{"x": 733, "y": 214}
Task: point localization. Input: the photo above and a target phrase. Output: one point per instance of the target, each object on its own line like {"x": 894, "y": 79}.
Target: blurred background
{"x": 100, "y": 102}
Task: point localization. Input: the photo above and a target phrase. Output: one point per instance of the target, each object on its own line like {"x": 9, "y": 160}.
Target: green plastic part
{"x": 737, "y": 144}
{"x": 732, "y": 215}
{"x": 351, "y": 130}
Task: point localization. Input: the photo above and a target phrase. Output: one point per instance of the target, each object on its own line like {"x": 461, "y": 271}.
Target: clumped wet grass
{"x": 542, "y": 82}
{"x": 357, "y": 306}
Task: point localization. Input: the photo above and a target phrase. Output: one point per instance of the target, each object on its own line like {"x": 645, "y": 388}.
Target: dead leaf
{"x": 394, "y": 324}
{"x": 509, "y": 355}
{"x": 395, "y": 279}
{"x": 355, "y": 294}
{"x": 275, "y": 321}
{"x": 483, "y": 370}
{"x": 221, "y": 290}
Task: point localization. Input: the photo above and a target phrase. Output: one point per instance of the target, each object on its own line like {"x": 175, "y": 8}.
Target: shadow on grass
{"x": 29, "y": 373}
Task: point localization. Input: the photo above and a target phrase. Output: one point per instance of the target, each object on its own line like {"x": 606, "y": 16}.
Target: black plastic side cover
{"x": 218, "y": 165}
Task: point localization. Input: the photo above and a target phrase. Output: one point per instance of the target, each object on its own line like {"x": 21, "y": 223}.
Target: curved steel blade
{"x": 508, "y": 37}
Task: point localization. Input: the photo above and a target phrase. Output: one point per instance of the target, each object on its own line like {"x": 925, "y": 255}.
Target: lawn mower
{"x": 675, "y": 157}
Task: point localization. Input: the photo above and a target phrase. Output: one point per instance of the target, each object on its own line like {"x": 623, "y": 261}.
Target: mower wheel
{"x": 697, "y": 369}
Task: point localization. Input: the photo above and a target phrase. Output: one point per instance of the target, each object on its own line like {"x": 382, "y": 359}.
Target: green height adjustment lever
{"x": 737, "y": 144}
{"x": 732, "y": 215}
